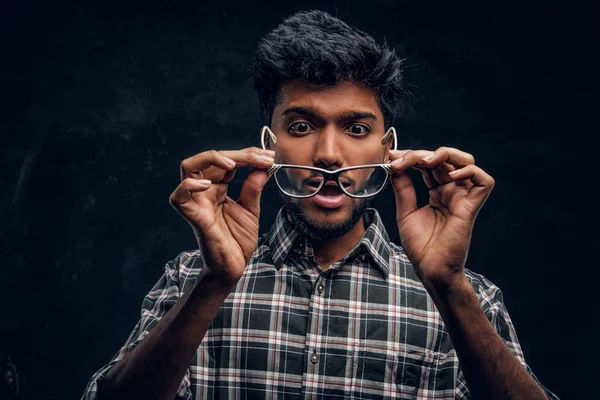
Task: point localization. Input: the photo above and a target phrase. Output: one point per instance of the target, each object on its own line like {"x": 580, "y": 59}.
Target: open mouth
{"x": 330, "y": 196}
{"x": 331, "y": 191}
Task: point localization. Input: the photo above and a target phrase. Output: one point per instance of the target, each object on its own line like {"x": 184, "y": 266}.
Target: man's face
{"x": 330, "y": 128}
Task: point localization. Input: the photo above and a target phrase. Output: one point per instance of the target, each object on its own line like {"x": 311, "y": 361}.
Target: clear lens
{"x": 363, "y": 182}
{"x": 298, "y": 181}
{"x": 303, "y": 182}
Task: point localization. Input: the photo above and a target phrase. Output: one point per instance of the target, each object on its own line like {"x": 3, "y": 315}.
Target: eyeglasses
{"x": 359, "y": 181}
{"x": 300, "y": 181}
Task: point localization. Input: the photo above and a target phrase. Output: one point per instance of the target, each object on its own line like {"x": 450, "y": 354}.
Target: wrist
{"x": 214, "y": 284}
{"x": 222, "y": 280}
{"x": 447, "y": 290}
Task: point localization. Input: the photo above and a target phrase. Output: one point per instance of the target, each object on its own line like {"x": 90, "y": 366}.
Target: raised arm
{"x": 436, "y": 239}
{"x": 227, "y": 234}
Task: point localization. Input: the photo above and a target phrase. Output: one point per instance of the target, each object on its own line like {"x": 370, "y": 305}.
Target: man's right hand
{"x": 226, "y": 230}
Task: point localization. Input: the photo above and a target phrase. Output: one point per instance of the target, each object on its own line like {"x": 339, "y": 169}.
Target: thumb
{"x": 406, "y": 197}
{"x": 252, "y": 189}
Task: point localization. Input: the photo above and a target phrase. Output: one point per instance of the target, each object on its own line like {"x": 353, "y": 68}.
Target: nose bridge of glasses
{"x": 328, "y": 176}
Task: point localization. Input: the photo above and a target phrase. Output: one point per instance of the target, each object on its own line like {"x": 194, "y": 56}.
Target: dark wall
{"x": 101, "y": 102}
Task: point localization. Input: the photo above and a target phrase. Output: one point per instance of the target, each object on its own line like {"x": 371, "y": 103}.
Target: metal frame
{"x": 330, "y": 175}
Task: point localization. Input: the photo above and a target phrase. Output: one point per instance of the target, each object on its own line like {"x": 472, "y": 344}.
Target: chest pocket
{"x": 407, "y": 372}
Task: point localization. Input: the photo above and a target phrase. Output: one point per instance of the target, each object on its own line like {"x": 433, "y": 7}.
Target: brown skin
{"x": 435, "y": 237}
{"x": 329, "y": 140}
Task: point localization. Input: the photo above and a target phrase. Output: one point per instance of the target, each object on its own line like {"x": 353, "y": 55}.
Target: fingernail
{"x": 229, "y": 161}
{"x": 398, "y": 161}
{"x": 204, "y": 182}
{"x": 429, "y": 157}
{"x": 267, "y": 159}
{"x": 270, "y": 153}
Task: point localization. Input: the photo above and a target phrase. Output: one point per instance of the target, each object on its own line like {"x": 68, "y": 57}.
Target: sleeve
{"x": 492, "y": 302}
{"x": 155, "y": 305}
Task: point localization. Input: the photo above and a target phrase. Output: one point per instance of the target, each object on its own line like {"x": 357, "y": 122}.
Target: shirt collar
{"x": 283, "y": 237}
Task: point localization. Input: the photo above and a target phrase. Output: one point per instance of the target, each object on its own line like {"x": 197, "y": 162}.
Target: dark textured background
{"x": 101, "y": 102}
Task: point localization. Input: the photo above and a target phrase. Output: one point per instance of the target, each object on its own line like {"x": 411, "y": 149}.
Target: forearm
{"x": 490, "y": 369}
{"x": 155, "y": 368}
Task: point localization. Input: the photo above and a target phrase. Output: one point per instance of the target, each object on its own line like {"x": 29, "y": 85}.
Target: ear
{"x": 390, "y": 138}
{"x": 267, "y": 137}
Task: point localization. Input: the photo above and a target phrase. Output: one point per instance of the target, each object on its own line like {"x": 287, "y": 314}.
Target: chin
{"x": 326, "y": 215}
{"x": 320, "y": 223}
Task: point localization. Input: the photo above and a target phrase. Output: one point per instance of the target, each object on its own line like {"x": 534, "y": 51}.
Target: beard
{"x": 317, "y": 230}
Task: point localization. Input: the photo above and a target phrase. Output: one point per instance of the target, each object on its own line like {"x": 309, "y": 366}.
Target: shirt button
{"x": 314, "y": 358}
{"x": 320, "y": 288}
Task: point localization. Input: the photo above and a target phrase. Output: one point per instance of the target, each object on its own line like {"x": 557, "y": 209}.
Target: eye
{"x": 299, "y": 128}
{"x": 359, "y": 130}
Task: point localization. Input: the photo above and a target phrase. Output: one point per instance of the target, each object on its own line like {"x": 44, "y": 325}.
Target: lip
{"x": 329, "y": 201}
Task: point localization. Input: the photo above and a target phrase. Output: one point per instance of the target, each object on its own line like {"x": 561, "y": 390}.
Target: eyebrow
{"x": 313, "y": 112}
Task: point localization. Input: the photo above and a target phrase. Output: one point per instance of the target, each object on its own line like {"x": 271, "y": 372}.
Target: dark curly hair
{"x": 324, "y": 50}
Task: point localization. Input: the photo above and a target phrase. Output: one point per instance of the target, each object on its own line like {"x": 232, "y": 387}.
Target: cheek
{"x": 293, "y": 153}
{"x": 366, "y": 155}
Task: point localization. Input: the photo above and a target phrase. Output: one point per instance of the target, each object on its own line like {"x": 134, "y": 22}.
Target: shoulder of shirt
{"x": 481, "y": 283}
{"x": 188, "y": 263}
{"x": 488, "y": 293}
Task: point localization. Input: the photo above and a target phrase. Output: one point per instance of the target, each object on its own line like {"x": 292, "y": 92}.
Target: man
{"x": 324, "y": 306}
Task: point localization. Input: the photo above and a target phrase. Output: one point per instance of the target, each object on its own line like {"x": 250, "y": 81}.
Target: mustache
{"x": 316, "y": 178}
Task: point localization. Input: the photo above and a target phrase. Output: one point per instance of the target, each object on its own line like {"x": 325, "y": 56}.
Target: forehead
{"x": 329, "y": 100}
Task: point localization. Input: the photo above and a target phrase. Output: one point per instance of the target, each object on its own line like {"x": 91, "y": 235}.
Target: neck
{"x": 328, "y": 251}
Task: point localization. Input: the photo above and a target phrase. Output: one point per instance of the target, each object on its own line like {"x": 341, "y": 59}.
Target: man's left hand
{"x": 436, "y": 237}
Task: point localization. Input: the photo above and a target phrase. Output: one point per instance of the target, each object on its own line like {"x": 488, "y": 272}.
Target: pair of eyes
{"x": 300, "y": 128}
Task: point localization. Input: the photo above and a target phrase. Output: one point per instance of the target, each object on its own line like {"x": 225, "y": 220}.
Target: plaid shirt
{"x": 364, "y": 328}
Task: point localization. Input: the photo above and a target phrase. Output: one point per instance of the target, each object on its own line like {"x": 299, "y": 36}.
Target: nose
{"x": 327, "y": 151}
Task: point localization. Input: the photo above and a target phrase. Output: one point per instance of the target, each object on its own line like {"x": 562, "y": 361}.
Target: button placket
{"x": 314, "y": 358}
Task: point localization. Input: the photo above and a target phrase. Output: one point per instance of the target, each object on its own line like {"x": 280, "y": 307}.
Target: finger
{"x": 428, "y": 177}
{"x": 252, "y": 189}
{"x": 452, "y": 156}
{"x": 483, "y": 183}
{"x": 182, "y": 198}
{"x": 224, "y": 160}
{"x": 192, "y": 167}
{"x": 228, "y": 176}
{"x": 402, "y": 160}
{"x": 253, "y": 157}
{"x": 440, "y": 173}
{"x": 401, "y": 155}
{"x": 417, "y": 159}
{"x": 406, "y": 197}
{"x": 395, "y": 154}
{"x": 432, "y": 177}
